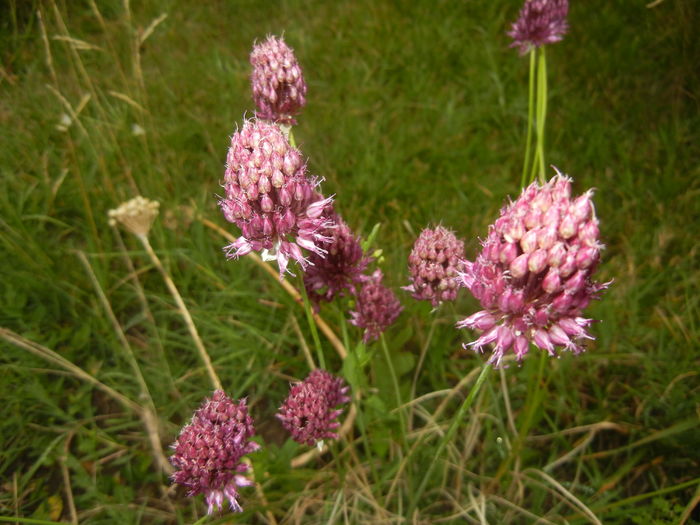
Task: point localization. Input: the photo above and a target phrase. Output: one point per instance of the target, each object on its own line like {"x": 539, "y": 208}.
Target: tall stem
{"x": 530, "y": 116}
{"x": 312, "y": 324}
{"x": 541, "y": 113}
{"x": 449, "y": 435}
{"x": 215, "y": 381}
{"x": 397, "y": 391}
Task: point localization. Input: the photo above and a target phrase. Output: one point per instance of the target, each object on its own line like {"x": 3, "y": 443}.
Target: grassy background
{"x": 416, "y": 115}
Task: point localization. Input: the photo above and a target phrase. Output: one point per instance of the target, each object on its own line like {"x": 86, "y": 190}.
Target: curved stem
{"x": 216, "y": 382}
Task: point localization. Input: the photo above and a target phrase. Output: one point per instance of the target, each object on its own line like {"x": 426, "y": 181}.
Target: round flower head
{"x": 540, "y": 22}
{"x": 376, "y": 308}
{"x": 434, "y": 263}
{"x": 279, "y": 89}
{"x": 533, "y": 276}
{"x": 271, "y": 199}
{"x": 136, "y": 215}
{"x": 309, "y": 411}
{"x": 209, "y": 450}
{"x": 342, "y": 266}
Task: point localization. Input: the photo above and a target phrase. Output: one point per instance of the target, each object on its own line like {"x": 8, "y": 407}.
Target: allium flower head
{"x": 376, "y": 308}
{"x": 340, "y": 268}
{"x": 136, "y": 215}
{"x": 209, "y": 450}
{"x": 533, "y": 276}
{"x": 309, "y": 411}
{"x": 540, "y": 22}
{"x": 434, "y": 263}
{"x": 279, "y": 89}
{"x": 271, "y": 199}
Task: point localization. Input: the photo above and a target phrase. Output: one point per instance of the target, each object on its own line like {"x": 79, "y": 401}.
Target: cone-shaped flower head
{"x": 540, "y": 22}
{"x": 533, "y": 276}
{"x": 136, "y": 215}
{"x": 279, "y": 89}
{"x": 434, "y": 264}
{"x": 209, "y": 450}
{"x": 376, "y": 308}
{"x": 309, "y": 413}
{"x": 342, "y": 266}
{"x": 271, "y": 199}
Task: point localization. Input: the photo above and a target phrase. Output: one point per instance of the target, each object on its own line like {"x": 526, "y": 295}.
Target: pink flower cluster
{"x": 376, "y": 307}
{"x": 341, "y": 267}
{"x": 434, "y": 264}
{"x": 209, "y": 450}
{"x": 533, "y": 276}
{"x": 540, "y": 22}
{"x": 309, "y": 411}
{"x": 278, "y": 84}
{"x": 270, "y": 197}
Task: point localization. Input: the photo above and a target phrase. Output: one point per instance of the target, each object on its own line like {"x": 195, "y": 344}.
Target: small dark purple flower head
{"x": 376, "y": 308}
{"x": 279, "y": 89}
{"x": 340, "y": 269}
{"x": 271, "y": 199}
{"x": 540, "y": 22}
{"x": 309, "y": 411}
{"x": 209, "y": 450}
{"x": 533, "y": 276}
{"x": 434, "y": 264}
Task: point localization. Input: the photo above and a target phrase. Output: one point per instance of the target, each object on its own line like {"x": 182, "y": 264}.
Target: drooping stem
{"x": 214, "y": 378}
{"x": 530, "y": 116}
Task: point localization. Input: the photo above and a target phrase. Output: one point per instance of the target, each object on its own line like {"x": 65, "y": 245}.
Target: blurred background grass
{"x": 416, "y": 115}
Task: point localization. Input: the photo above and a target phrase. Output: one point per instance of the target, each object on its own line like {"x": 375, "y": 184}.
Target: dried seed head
{"x": 136, "y": 215}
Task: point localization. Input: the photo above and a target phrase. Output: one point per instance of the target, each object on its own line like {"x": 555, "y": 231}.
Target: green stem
{"x": 449, "y": 435}
{"x": 312, "y": 324}
{"x": 397, "y": 392}
{"x": 541, "y": 114}
{"x": 530, "y": 116}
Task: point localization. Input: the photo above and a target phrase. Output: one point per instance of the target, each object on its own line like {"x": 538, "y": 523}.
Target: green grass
{"x": 416, "y": 115}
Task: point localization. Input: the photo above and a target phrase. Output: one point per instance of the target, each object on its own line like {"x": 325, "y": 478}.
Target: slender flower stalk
{"x": 137, "y": 216}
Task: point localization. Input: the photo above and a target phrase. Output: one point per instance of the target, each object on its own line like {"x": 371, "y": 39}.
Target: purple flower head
{"x": 376, "y": 308}
{"x": 279, "y": 89}
{"x": 540, "y": 22}
{"x": 342, "y": 266}
{"x": 271, "y": 199}
{"x": 434, "y": 264}
{"x": 309, "y": 411}
{"x": 533, "y": 276}
{"x": 209, "y": 450}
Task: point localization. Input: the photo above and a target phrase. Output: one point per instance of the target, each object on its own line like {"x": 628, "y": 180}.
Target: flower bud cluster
{"x": 136, "y": 215}
{"x": 342, "y": 266}
{"x": 209, "y": 450}
{"x": 376, "y": 307}
{"x": 434, "y": 264}
{"x": 533, "y": 276}
{"x": 278, "y": 84}
{"x": 540, "y": 22}
{"x": 271, "y": 199}
{"x": 309, "y": 411}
